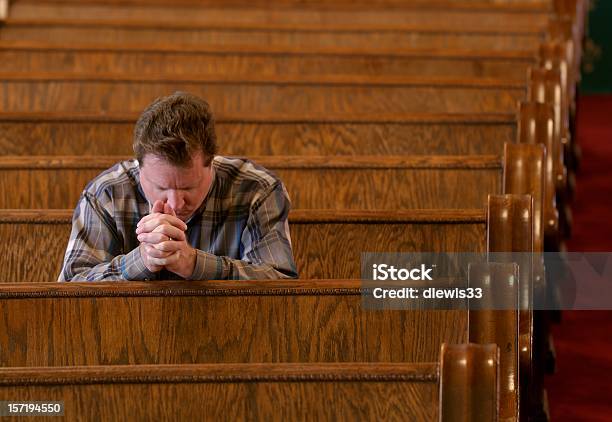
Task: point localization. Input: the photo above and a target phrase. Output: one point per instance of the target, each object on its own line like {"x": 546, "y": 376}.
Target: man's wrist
{"x": 133, "y": 266}
{"x": 191, "y": 262}
{"x": 207, "y": 267}
{"x": 186, "y": 266}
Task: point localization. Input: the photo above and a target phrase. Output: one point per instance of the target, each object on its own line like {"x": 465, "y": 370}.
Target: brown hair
{"x": 175, "y": 128}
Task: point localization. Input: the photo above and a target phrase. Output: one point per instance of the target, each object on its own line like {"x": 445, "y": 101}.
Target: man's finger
{"x": 169, "y": 246}
{"x": 152, "y": 237}
{"x": 158, "y": 206}
{"x": 156, "y": 253}
{"x": 147, "y": 225}
{"x": 170, "y": 231}
{"x": 149, "y": 217}
{"x": 165, "y": 261}
{"x": 168, "y": 210}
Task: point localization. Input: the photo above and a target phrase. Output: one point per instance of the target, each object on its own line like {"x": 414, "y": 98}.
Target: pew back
{"x": 73, "y": 133}
{"x": 326, "y": 243}
{"x": 19, "y": 56}
{"x": 39, "y": 92}
{"x": 408, "y": 182}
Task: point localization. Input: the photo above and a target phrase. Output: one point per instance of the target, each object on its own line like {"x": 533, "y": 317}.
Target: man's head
{"x": 175, "y": 142}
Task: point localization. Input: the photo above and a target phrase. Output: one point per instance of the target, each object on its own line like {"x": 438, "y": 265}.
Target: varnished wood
{"x": 161, "y": 46}
{"x": 302, "y": 13}
{"x": 546, "y": 87}
{"x": 229, "y": 372}
{"x": 525, "y": 168}
{"x": 132, "y": 93}
{"x": 510, "y": 239}
{"x": 361, "y": 182}
{"x": 273, "y": 134}
{"x": 440, "y": 23}
{"x": 469, "y": 383}
{"x": 540, "y": 7}
{"x": 496, "y": 320}
{"x": 306, "y": 80}
{"x": 297, "y": 391}
{"x": 536, "y": 126}
{"x": 247, "y": 392}
{"x": 557, "y": 56}
{"x": 564, "y": 30}
{"x": 197, "y": 322}
{"x": 288, "y": 311}
{"x": 326, "y": 243}
{"x": 246, "y": 60}
{"x": 414, "y": 36}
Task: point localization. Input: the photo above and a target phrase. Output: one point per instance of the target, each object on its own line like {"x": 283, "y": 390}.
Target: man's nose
{"x": 175, "y": 200}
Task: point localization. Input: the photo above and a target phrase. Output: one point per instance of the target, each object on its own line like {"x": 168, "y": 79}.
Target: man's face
{"x": 183, "y": 188}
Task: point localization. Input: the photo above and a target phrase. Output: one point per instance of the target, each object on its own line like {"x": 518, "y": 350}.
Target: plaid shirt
{"x": 239, "y": 232}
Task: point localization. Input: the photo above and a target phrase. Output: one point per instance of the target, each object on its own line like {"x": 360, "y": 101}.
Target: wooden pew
{"x": 286, "y": 391}
{"x": 381, "y": 16}
{"x": 366, "y": 183}
{"x": 78, "y": 133}
{"x": 307, "y": 135}
{"x": 290, "y": 313}
{"x": 327, "y": 243}
{"x": 445, "y": 35}
{"x": 370, "y": 182}
{"x": 19, "y": 56}
{"x": 487, "y": 15}
{"x": 197, "y": 322}
{"x": 36, "y": 92}
{"x": 545, "y": 6}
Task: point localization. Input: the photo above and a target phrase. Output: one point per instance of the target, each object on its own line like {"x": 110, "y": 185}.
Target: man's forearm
{"x": 128, "y": 266}
{"x": 212, "y": 267}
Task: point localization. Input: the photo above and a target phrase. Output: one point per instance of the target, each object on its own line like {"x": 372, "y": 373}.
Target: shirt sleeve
{"x": 94, "y": 251}
{"x": 266, "y": 245}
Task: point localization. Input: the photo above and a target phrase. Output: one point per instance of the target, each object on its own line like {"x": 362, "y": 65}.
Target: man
{"x": 179, "y": 211}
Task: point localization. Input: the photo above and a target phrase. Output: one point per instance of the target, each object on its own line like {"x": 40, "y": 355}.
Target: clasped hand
{"x": 163, "y": 243}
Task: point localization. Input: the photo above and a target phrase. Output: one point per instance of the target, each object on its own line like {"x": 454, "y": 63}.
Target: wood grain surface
{"x": 407, "y": 182}
{"x": 117, "y": 95}
{"x": 297, "y": 14}
{"x": 469, "y": 383}
{"x": 67, "y": 326}
{"x": 326, "y": 243}
{"x": 533, "y": 6}
{"x": 383, "y": 397}
{"x": 415, "y": 36}
{"x": 101, "y": 60}
{"x": 246, "y": 134}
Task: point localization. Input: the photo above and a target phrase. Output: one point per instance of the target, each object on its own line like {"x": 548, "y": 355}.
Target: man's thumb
{"x": 168, "y": 210}
{"x": 158, "y": 206}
